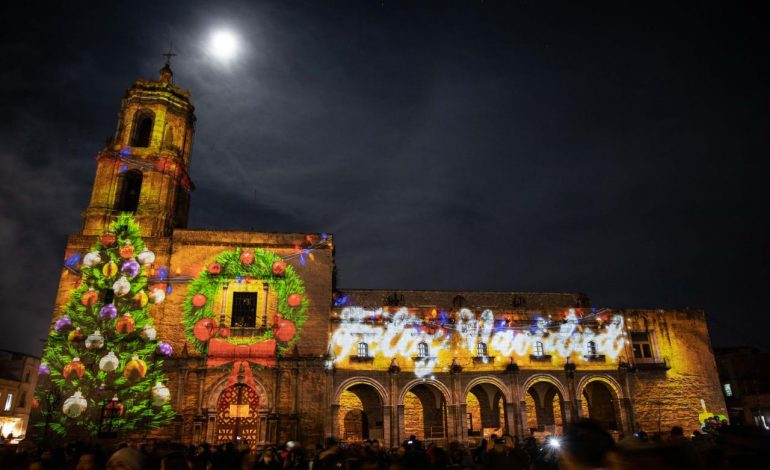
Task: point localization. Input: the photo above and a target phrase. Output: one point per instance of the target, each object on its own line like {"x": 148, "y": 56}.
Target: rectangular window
{"x": 641, "y": 344}
{"x": 539, "y": 349}
{"x": 23, "y": 400}
{"x": 244, "y": 310}
{"x": 728, "y": 390}
{"x": 8, "y": 402}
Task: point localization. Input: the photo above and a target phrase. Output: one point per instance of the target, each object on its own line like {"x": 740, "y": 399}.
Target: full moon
{"x": 223, "y": 45}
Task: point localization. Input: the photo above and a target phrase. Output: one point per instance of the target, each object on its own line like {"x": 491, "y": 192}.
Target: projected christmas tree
{"x": 102, "y": 358}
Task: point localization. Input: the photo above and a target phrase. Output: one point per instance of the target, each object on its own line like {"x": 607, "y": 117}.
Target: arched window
{"x": 591, "y": 348}
{"x": 363, "y": 349}
{"x": 422, "y": 349}
{"x": 129, "y": 189}
{"x": 142, "y": 131}
{"x": 481, "y": 349}
{"x": 539, "y": 351}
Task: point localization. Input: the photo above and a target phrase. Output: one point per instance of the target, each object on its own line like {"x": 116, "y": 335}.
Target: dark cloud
{"x": 618, "y": 150}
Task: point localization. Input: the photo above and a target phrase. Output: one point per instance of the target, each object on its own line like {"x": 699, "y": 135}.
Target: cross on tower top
{"x": 168, "y": 55}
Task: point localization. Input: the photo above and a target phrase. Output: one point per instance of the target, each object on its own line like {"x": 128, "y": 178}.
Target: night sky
{"x": 616, "y": 150}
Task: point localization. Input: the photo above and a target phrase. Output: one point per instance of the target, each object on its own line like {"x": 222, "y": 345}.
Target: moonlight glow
{"x": 223, "y": 45}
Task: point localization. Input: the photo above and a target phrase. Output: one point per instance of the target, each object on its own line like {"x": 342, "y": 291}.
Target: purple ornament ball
{"x": 62, "y": 323}
{"x": 43, "y": 369}
{"x": 108, "y": 312}
{"x": 165, "y": 348}
{"x": 130, "y": 268}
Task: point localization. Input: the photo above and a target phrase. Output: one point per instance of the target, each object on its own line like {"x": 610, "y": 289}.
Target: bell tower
{"x": 144, "y": 168}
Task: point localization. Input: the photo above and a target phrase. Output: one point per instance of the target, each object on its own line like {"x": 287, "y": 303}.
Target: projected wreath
{"x": 206, "y": 331}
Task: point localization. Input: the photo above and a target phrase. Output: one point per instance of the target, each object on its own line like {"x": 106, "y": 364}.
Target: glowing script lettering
{"x": 406, "y": 335}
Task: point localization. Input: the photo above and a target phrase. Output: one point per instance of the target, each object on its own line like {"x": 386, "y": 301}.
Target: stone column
{"x": 628, "y": 424}
{"x": 626, "y": 416}
{"x": 515, "y": 425}
{"x": 570, "y": 401}
{"x": 510, "y": 423}
{"x": 400, "y": 430}
{"x": 462, "y": 419}
{"x": 387, "y": 416}
{"x": 334, "y": 413}
{"x": 329, "y": 421}
{"x": 523, "y": 419}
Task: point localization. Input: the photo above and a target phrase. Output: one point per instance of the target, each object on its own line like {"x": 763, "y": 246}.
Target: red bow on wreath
{"x": 223, "y": 352}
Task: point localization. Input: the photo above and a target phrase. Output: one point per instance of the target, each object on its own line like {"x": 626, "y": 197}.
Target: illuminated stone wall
{"x": 673, "y": 397}
{"x": 414, "y": 416}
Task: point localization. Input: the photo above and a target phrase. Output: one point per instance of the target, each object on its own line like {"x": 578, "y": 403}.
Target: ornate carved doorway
{"x": 238, "y": 415}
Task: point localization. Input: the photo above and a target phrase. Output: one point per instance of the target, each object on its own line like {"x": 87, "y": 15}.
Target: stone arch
{"x": 212, "y": 396}
{"x": 545, "y": 401}
{"x": 609, "y": 381}
{"x": 424, "y": 410}
{"x": 142, "y": 128}
{"x": 544, "y": 378}
{"x": 381, "y": 391}
{"x": 440, "y": 386}
{"x": 486, "y": 399}
{"x": 602, "y": 401}
{"x": 506, "y": 391}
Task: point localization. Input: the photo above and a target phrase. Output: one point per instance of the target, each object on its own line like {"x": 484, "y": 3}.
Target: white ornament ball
{"x": 92, "y": 259}
{"x": 109, "y": 362}
{"x": 157, "y": 295}
{"x": 121, "y": 286}
{"x": 148, "y": 333}
{"x": 160, "y": 394}
{"x": 75, "y": 405}
{"x": 146, "y": 257}
{"x": 95, "y": 340}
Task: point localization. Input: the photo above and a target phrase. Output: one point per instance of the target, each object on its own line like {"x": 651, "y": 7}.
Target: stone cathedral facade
{"x": 361, "y": 364}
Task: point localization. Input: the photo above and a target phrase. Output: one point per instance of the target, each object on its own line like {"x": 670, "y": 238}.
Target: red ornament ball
{"x": 89, "y": 298}
{"x": 108, "y": 239}
{"x": 74, "y": 369}
{"x": 284, "y": 330}
{"x": 294, "y": 300}
{"x": 199, "y": 300}
{"x": 215, "y": 268}
{"x": 279, "y": 268}
{"x": 204, "y": 328}
{"x": 247, "y": 257}
{"x": 126, "y": 251}
{"x": 125, "y": 325}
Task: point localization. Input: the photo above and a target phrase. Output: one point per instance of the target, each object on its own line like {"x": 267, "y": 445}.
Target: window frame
{"x": 363, "y": 349}
{"x": 242, "y": 313}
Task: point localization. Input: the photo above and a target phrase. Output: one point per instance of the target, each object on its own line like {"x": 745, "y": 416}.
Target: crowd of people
{"x": 583, "y": 445}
